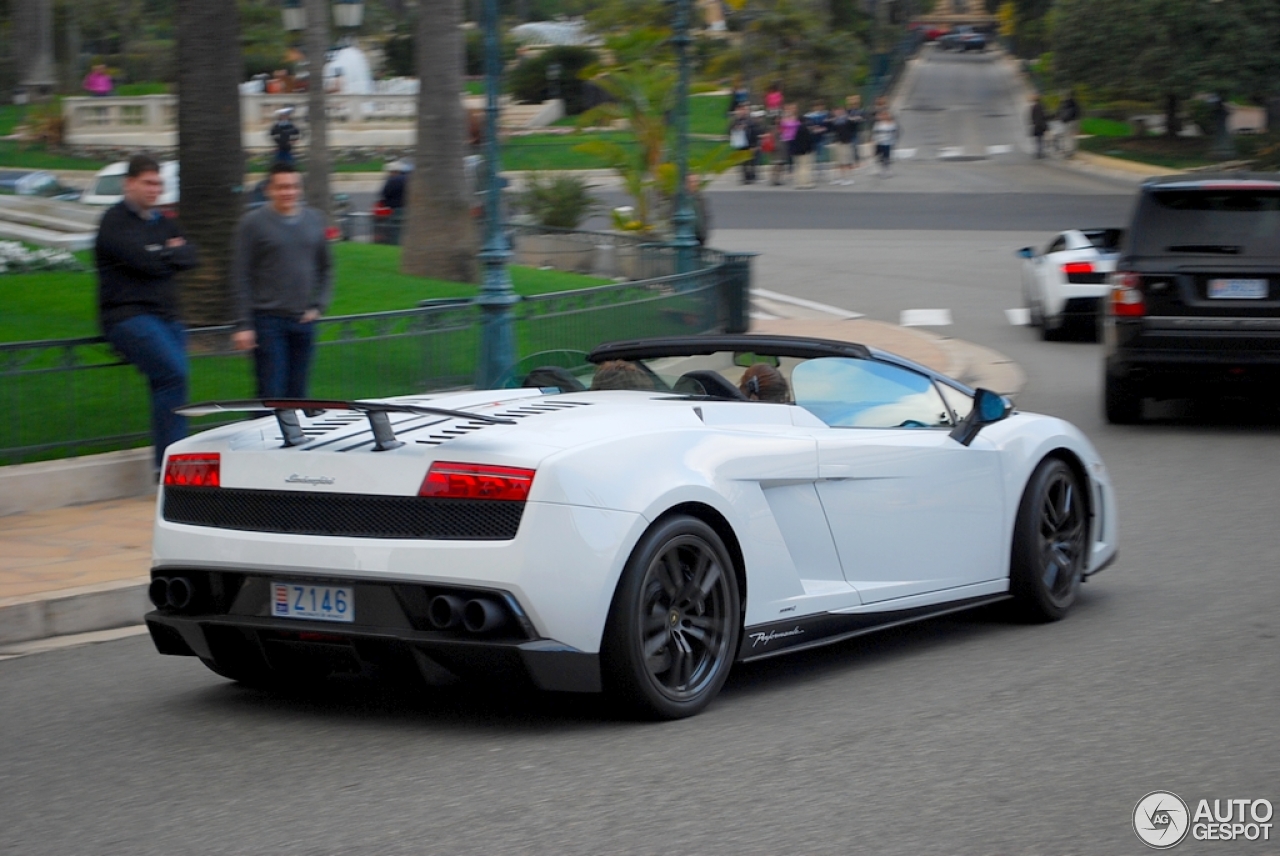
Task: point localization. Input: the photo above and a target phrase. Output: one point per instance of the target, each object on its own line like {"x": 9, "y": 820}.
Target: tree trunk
{"x": 439, "y": 238}
{"x": 33, "y": 46}
{"x": 1172, "y": 121}
{"x": 317, "y": 117}
{"x": 210, "y": 150}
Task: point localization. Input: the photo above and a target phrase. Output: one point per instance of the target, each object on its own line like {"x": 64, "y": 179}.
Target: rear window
{"x": 1208, "y": 221}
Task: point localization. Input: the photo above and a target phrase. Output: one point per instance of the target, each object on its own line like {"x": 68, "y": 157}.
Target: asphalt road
{"x": 966, "y": 735}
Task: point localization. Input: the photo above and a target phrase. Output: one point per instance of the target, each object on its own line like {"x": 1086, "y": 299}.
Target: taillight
{"x": 476, "y": 481}
{"x": 1126, "y": 295}
{"x": 1077, "y": 267}
{"x": 193, "y": 470}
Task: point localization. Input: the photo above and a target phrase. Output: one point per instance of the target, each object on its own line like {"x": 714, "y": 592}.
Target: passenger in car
{"x": 621, "y": 374}
{"x": 762, "y": 382}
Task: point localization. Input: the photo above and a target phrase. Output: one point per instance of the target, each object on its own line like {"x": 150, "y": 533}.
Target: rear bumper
{"x": 231, "y": 619}
{"x": 1191, "y": 352}
{"x": 318, "y": 648}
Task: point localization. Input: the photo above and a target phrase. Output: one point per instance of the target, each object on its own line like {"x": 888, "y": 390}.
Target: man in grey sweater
{"x": 282, "y": 283}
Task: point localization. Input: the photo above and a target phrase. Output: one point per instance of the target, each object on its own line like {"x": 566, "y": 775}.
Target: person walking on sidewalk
{"x": 1039, "y": 124}
{"x": 282, "y": 283}
{"x": 137, "y": 252}
{"x": 804, "y": 146}
{"x": 1069, "y": 116}
{"x": 884, "y": 133}
{"x": 744, "y": 136}
{"x": 845, "y": 133}
{"x": 784, "y": 156}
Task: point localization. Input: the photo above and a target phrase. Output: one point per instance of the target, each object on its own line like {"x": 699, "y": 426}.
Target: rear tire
{"x": 673, "y": 627}
{"x": 1050, "y": 543}
{"x": 1122, "y": 401}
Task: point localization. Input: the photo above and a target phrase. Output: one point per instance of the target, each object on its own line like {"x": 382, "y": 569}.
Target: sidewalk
{"x": 84, "y": 568}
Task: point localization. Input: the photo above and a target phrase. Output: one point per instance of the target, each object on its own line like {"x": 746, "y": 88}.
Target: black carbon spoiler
{"x": 286, "y": 413}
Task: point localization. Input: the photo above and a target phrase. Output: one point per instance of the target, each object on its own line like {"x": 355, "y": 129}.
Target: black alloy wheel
{"x": 674, "y": 623}
{"x": 1050, "y": 544}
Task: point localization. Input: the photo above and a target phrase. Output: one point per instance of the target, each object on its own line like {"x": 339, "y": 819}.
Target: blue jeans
{"x": 159, "y": 350}
{"x": 283, "y": 356}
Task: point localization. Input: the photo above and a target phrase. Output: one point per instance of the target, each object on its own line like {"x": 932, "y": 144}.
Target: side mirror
{"x": 988, "y": 407}
{"x": 1026, "y": 253}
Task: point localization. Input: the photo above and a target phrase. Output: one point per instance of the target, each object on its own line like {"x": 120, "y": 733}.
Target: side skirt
{"x": 782, "y": 637}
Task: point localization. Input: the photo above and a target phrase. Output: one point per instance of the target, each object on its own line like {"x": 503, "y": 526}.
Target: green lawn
{"x": 1177, "y": 153}
{"x": 37, "y": 306}
{"x": 101, "y": 406}
{"x": 1096, "y": 127}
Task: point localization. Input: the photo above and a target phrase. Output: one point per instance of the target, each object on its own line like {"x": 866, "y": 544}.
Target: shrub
{"x": 560, "y": 200}
{"x": 528, "y": 81}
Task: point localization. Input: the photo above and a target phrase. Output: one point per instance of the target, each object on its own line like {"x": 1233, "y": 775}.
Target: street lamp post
{"x": 685, "y": 242}
{"x": 497, "y": 336}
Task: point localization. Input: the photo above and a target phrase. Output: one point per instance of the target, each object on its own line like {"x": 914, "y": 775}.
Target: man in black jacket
{"x": 138, "y": 251}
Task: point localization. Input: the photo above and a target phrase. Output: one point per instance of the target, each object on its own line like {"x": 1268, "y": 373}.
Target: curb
{"x": 99, "y": 607}
{"x": 25, "y": 488}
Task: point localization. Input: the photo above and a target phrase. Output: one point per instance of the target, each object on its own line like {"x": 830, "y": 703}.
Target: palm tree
{"x": 317, "y": 115}
{"x": 210, "y": 149}
{"x": 439, "y": 237}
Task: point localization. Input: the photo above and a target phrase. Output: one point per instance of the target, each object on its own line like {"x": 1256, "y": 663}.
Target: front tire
{"x": 674, "y": 624}
{"x": 1050, "y": 543}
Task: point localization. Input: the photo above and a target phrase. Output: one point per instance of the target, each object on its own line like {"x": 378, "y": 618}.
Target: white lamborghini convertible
{"x": 634, "y": 523}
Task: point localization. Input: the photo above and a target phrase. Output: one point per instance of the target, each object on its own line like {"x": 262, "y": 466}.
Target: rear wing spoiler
{"x": 286, "y": 413}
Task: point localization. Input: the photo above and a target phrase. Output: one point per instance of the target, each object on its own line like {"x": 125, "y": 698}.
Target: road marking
{"x": 925, "y": 318}
{"x": 904, "y": 154}
{"x": 759, "y": 315}
{"x": 999, "y": 150}
{"x": 1018, "y": 317}
{"x": 807, "y": 304}
{"x": 949, "y": 152}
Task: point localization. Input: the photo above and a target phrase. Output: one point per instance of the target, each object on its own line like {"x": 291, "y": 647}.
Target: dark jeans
{"x": 283, "y": 356}
{"x": 159, "y": 350}
{"x": 749, "y": 166}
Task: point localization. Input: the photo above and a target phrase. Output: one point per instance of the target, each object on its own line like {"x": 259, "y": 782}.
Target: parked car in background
{"x": 1194, "y": 305}
{"x": 107, "y": 187}
{"x": 35, "y": 183}
{"x": 1063, "y": 286}
{"x": 963, "y": 38}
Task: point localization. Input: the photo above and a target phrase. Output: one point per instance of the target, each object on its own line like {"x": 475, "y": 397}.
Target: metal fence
{"x": 76, "y": 396}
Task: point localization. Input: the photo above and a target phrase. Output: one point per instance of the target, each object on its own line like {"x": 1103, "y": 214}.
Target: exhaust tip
{"x": 481, "y": 615}
{"x": 158, "y": 592}
{"x": 445, "y": 611}
{"x": 180, "y": 592}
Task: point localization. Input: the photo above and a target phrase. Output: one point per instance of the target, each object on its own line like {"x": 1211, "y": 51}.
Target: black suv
{"x": 1195, "y": 298}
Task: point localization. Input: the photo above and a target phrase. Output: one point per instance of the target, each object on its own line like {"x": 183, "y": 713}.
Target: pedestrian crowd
{"x": 805, "y": 147}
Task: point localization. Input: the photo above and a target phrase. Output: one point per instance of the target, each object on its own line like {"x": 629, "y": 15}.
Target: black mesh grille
{"x": 346, "y": 514}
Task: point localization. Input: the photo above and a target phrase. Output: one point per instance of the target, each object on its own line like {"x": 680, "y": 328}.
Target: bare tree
{"x": 210, "y": 149}
{"x": 439, "y": 237}
{"x": 317, "y": 118}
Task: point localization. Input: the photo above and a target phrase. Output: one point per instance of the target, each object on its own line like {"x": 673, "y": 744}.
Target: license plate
{"x": 318, "y": 603}
{"x": 1238, "y": 289}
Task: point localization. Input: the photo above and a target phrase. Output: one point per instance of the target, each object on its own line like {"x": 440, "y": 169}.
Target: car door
{"x": 911, "y": 510}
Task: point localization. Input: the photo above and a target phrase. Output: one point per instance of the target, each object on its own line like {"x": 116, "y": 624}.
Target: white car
{"x": 634, "y": 540}
{"x": 1063, "y": 286}
{"x": 107, "y": 187}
